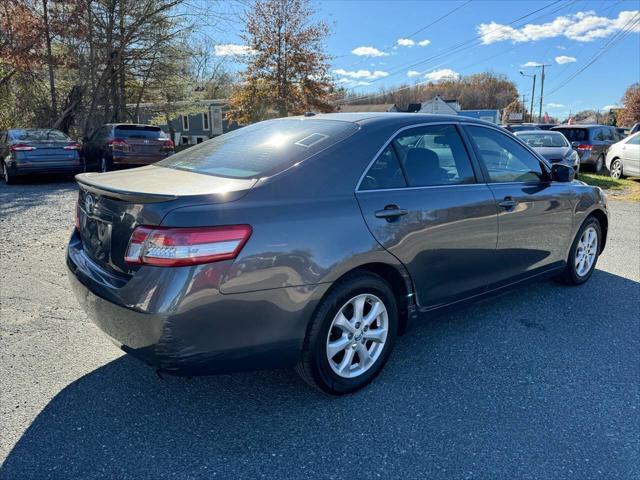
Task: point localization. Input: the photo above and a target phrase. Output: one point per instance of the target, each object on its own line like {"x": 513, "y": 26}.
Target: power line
{"x": 456, "y": 49}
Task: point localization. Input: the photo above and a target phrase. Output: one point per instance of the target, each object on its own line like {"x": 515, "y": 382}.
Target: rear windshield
{"x": 262, "y": 149}
{"x": 140, "y": 131}
{"x": 575, "y": 134}
{"x": 543, "y": 139}
{"x": 39, "y": 135}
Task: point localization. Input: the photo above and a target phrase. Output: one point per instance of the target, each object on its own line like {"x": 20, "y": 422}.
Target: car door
{"x": 422, "y": 202}
{"x": 534, "y": 213}
{"x": 630, "y": 153}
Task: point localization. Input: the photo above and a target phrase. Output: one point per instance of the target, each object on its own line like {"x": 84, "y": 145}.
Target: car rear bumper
{"x": 176, "y": 320}
{"x": 40, "y": 167}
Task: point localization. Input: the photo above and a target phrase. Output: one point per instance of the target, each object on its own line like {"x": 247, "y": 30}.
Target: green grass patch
{"x": 606, "y": 182}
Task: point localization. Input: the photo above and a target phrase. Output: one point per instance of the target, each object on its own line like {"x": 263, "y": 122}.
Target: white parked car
{"x": 623, "y": 158}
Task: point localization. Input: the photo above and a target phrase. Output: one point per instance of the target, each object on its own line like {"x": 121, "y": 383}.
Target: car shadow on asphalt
{"x": 525, "y": 385}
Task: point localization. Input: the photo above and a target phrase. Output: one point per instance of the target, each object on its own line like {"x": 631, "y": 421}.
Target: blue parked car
{"x": 25, "y": 151}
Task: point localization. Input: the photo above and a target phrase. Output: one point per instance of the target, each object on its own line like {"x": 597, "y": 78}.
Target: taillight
{"x": 118, "y": 144}
{"x": 21, "y": 147}
{"x": 584, "y": 147}
{"x": 73, "y": 146}
{"x": 168, "y": 145}
{"x": 174, "y": 247}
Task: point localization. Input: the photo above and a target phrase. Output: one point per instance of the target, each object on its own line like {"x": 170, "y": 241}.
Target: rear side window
{"x": 139, "y": 131}
{"x": 505, "y": 159}
{"x": 575, "y": 134}
{"x": 384, "y": 173}
{"x": 262, "y": 149}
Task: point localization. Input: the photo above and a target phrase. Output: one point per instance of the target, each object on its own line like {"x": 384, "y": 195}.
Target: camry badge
{"x": 89, "y": 203}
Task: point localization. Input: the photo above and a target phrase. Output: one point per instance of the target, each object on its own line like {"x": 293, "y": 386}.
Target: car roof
{"x": 538, "y": 132}
{"x": 129, "y": 125}
{"x": 580, "y": 126}
{"x": 391, "y": 118}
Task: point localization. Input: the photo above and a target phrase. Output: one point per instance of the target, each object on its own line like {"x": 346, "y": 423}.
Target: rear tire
{"x": 584, "y": 253}
{"x": 6, "y": 175}
{"x": 599, "y": 165}
{"x": 339, "y": 355}
{"x": 105, "y": 165}
{"x": 616, "y": 169}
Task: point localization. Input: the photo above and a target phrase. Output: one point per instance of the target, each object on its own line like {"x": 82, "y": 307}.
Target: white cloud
{"x": 442, "y": 74}
{"x": 561, "y": 47}
{"x": 232, "y": 49}
{"x": 361, "y": 74}
{"x": 581, "y": 27}
{"x": 609, "y": 107}
{"x": 368, "y": 52}
{"x": 555, "y": 105}
{"x": 405, "y": 42}
{"x": 424, "y": 43}
{"x": 531, "y": 64}
{"x": 562, "y": 59}
{"x": 413, "y": 73}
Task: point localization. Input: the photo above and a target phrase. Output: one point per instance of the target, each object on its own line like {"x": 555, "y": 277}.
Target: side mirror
{"x": 562, "y": 173}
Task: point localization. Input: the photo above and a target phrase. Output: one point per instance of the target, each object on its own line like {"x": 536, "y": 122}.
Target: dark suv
{"x": 591, "y": 142}
{"x": 125, "y": 144}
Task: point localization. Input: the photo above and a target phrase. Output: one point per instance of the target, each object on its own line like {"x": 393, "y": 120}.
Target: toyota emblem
{"x": 89, "y": 203}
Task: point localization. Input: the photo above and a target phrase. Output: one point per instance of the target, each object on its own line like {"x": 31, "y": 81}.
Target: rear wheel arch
{"x": 399, "y": 282}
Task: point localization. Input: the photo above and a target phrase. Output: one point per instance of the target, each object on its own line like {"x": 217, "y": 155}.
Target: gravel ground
{"x": 542, "y": 382}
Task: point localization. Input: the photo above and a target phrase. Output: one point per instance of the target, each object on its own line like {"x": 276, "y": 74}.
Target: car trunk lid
{"x": 111, "y": 205}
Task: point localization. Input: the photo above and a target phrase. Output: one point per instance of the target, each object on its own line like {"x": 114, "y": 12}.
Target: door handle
{"x": 508, "y": 203}
{"x": 391, "y": 212}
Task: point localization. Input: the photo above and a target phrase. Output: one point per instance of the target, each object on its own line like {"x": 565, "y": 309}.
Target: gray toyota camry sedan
{"x": 312, "y": 241}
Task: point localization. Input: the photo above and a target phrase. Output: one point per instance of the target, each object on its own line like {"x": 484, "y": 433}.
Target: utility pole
{"x": 533, "y": 93}
{"x": 541, "y": 90}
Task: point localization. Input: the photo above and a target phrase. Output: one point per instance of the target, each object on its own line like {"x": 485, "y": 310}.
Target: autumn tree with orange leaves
{"x": 287, "y": 67}
{"x": 630, "y": 113}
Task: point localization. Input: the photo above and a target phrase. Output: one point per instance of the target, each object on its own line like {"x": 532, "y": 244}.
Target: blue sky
{"x": 385, "y": 43}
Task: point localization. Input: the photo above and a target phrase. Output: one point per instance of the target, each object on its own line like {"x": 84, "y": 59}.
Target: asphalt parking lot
{"x": 542, "y": 382}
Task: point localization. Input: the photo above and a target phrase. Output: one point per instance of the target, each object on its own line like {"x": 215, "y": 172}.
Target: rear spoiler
{"x": 86, "y": 181}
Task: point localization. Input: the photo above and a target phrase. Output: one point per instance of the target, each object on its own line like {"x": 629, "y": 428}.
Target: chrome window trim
{"x": 386, "y": 144}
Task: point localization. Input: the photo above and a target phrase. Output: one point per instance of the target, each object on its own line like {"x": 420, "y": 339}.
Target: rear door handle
{"x": 508, "y": 203}
{"x": 391, "y": 212}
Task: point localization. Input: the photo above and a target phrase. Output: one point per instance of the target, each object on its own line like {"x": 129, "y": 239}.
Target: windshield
{"x": 575, "y": 134}
{"x": 262, "y": 149}
{"x": 140, "y": 131}
{"x": 543, "y": 140}
{"x": 39, "y": 135}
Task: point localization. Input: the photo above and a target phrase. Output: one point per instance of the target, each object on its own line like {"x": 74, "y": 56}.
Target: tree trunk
{"x": 52, "y": 84}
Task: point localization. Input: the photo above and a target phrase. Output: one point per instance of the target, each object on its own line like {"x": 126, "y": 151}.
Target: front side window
{"x": 433, "y": 155}
{"x": 505, "y": 159}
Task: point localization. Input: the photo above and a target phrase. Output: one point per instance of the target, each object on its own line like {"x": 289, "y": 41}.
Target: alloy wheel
{"x": 616, "y": 169}
{"x": 357, "y": 335}
{"x": 586, "y": 251}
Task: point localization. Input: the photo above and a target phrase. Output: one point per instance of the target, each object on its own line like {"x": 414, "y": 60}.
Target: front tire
{"x": 583, "y": 254}
{"x": 616, "y": 169}
{"x": 351, "y": 335}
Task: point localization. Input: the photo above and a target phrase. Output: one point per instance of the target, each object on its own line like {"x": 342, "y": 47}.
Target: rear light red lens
{"x": 174, "y": 247}
{"x": 584, "y": 147}
{"x": 77, "y": 216}
{"x": 73, "y": 146}
{"x": 118, "y": 144}
{"x": 21, "y": 147}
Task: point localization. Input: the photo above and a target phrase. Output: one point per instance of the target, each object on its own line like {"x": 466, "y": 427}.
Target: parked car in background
{"x": 520, "y": 127}
{"x": 311, "y": 241}
{"x": 125, "y": 145}
{"x": 623, "y": 158}
{"x": 552, "y": 146}
{"x": 591, "y": 142}
{"x": 26, "y": 151}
